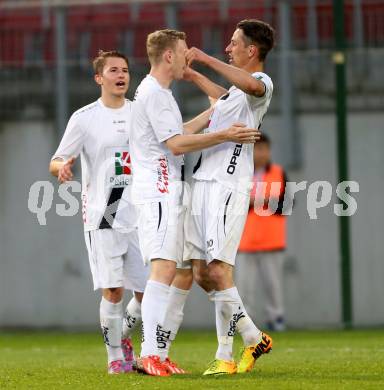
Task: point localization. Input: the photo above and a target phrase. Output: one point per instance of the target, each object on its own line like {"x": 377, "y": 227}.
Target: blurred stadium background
{"x": 45, "y": 74}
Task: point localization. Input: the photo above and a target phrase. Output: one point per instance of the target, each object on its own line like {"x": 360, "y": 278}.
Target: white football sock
{"x": 224, "y": 308}
{"x": 132, "y": 316}
{"x": 153, "y": 307}
{"x": 249, "y": 332}
{"x": 172, "y": 319}
{"x": 231, "y": 315}
{"x": 111, "y": 321}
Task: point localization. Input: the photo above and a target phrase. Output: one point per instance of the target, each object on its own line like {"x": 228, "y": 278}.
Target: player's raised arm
{"x": 210, "y": 88}
{"x": 236, "y": 76}
{"x": 238, "y": 132}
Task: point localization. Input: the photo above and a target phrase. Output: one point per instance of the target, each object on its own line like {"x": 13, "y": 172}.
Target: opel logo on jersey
{"x": 232, "y": 164}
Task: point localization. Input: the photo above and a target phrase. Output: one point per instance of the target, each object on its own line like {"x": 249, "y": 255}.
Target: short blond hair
{"x": 159, "y": 41}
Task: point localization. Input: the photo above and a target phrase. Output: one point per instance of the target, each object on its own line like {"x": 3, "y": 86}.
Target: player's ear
{"x": 167, "y": 56}
{"x": 253, "y": 51}
{"x": 98, "y": 79}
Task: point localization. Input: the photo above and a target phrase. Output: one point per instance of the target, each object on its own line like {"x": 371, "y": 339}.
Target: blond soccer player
{"x": 157, "y": 144}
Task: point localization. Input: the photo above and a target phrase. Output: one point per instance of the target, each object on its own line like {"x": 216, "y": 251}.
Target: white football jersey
{"x": 229, "y": 163}
{"x": 100, "y": 135}
{"x": 156, "y": 118}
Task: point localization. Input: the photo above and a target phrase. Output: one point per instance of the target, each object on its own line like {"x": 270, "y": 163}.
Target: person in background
{"x": 264, "y": 238}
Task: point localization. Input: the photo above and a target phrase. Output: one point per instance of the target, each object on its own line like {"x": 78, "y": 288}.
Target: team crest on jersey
{"x": 122, "y": 163}
{"x": 121, "y": 176}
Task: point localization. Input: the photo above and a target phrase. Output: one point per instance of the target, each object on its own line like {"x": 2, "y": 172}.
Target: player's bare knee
{"x": 208, "y": 286}
{"x": 163, "y": 271}
{"x": 114, "y": 294}
{"x": 183, "y": 279}
{"x": 205, "y": 284}
{"x": 201, "y": 277}
{"x": 220, "y": 274}
{"x": 215, "y": 273}
{"x": 200, "y": 274}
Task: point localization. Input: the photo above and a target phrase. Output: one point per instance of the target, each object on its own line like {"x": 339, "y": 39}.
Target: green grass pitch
{"x": 299, "y": 360}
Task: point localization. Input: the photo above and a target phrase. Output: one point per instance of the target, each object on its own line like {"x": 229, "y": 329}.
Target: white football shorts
{"x": 115, "y": 259}
{"x": 161, "y": 231}
{"x": 214, "y": 222}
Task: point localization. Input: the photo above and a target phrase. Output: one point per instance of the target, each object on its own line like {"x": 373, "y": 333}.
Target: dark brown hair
{"x": 99, "y": 62}
{"x": 258, "y": 33}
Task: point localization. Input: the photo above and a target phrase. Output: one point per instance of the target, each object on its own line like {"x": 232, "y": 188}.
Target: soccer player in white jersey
{"x": 99, "y": 133}
{"x": 157, "y": 147}
{"x": 222, "y": 183}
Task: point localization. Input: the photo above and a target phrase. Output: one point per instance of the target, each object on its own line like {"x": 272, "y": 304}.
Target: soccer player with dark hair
{"x": 221, "y": 188}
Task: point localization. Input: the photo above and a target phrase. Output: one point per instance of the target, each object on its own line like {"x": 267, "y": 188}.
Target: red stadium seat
{"x": 105, "y": 26}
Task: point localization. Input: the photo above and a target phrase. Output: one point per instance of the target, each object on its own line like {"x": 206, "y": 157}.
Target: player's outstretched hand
{"x": 241, "y": 134}
{"x": 65, "y": 172}
{"x": 195, "y": 54}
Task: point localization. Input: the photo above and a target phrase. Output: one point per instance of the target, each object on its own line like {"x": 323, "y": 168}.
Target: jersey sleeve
{"x": 162, "y": 116}
{"x": 72, "y": 141}
{"x": 266, "y": 80}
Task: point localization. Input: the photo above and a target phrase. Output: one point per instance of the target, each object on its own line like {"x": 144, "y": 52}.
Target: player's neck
{"x": 163, "y": 77}
{"x": 111, "y": 101}
{"x": 254, "y": 67}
